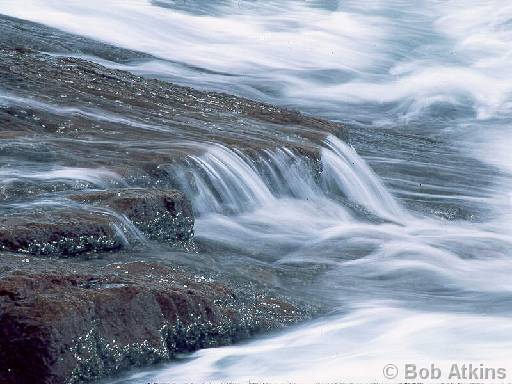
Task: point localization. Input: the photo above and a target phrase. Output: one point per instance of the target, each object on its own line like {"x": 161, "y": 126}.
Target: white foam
{"x": 349, "y": 172}
{"x": 97, "y": 176}
{"x": 252, "y": 38}
{"x": 368, "y": 58}
{"x": 352, "y": 347}
{"x": 284, "y": 42}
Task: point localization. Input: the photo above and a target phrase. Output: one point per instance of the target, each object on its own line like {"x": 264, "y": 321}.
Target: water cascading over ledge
{"x": 93, "y": 228}
{"x": 229, "y": 181}
{"x": 415, "y": 267}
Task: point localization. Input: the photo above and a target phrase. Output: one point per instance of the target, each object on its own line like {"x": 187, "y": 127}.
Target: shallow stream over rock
{"x": 387, "y": 219}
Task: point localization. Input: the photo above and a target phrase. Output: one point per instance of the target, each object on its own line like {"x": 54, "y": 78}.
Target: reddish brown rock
{"x": 59, "y": 232}
{"x": 161, "y": 214}
{"x": 66, "y": 327}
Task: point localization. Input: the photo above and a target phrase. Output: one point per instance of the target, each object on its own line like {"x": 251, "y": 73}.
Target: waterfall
{"x": 347, "y": 172}
{"x": 225, "y": 180}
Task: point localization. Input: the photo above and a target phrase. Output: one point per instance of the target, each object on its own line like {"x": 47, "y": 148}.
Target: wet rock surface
{"x": 26, "y": 36}
{"x": 74, "y": 322}
{"x": 83, "y": 114}
{"x": 163, "y": 215}
{"x": 87, "y": 160}
{"x": 69, "y": 125}
{"x": 59, "y": 232}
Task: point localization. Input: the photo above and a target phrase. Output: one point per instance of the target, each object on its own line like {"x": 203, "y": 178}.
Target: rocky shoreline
{"x": 72, "y": 322}
{"x": 84, "y": 151}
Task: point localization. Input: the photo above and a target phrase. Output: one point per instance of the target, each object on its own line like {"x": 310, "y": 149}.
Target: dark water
{"x": 408, "y": 241}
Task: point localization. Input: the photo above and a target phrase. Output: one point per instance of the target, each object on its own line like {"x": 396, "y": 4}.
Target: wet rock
{"x": 56, "y": 97}
{"x": 104, "y": 224}
{"x": 77, "y": 319}
{"x": 87, "y": 113}
{"x": 25, "y": 189}
{"x": 59, "y": 232}
{"x": 161, "y": 214}
{"x": 28, "y": 37}
{"x": 69, "y": 112}
{"x": 73, "y": 325}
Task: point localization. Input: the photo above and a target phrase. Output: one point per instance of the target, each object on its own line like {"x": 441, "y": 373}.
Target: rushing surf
{"x": 404, "y": 233}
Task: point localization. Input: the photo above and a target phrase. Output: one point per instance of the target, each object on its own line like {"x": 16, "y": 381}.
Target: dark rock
{"x": 59, "y": 232}
{"x": 163, "y": 215}
{"x": 75, "y": 326}
{"x": 84, "y": 113}
{"x": 23, "y": 189}
{"x": 64, "y": 112}
{"x": 28, "y": 37}
{"x": 72, "y": 321}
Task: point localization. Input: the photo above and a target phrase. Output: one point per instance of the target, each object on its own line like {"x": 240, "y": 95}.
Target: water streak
{"x": 413, "y": 78}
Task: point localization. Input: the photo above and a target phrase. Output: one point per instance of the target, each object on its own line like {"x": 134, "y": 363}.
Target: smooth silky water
{"x": 408, "y": 227}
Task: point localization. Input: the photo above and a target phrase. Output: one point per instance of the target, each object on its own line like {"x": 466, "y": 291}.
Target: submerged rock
{"x": 74, "y": 325}
{"x": 163, "y": 215}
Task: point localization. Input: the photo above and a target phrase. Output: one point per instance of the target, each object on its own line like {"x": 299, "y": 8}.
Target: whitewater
{"x": 410, "y": 221}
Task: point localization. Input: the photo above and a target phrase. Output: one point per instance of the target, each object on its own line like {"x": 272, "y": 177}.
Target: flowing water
{"x": 409, "y": 226}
